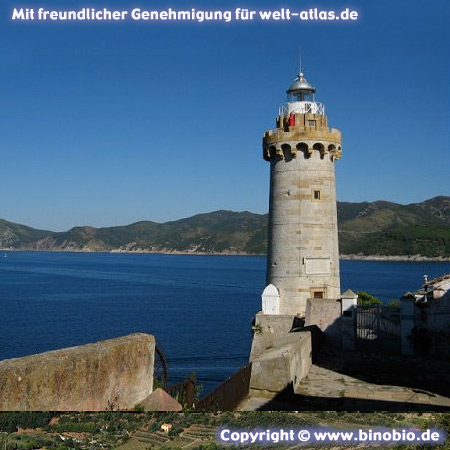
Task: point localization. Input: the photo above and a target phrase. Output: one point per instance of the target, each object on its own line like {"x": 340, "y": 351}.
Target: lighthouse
{"x": 303, "y": 255}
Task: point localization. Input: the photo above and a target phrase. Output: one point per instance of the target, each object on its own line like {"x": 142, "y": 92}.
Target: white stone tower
{"x": 303, "y": 256}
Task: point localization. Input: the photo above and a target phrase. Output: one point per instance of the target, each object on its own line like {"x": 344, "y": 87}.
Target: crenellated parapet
{"x": 303, "y": 133}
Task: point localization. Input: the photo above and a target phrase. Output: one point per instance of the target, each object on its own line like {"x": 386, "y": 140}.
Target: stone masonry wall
{"x": 116, "y": 373}
{"x": 281, "y": 354}
{"x": 268, "y": 330}
{"x": 286, "y": 364}
{"x": 303, "y": 256}
{"x": 326, "y": 314}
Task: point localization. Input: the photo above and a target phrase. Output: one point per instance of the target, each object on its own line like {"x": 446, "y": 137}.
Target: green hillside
{"x": 377, "y": 228}
{"x": 385, "y": 229}
{"x": 13, "y": 235}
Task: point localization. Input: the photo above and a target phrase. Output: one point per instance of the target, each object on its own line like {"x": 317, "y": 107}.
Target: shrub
{"x": 365, "y": 299}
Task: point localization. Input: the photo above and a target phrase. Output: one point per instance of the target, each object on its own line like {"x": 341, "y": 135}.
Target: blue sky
{"x": 107, "y": 124}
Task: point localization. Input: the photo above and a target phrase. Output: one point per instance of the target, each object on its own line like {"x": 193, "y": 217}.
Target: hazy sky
{"x": 107, "y": 124}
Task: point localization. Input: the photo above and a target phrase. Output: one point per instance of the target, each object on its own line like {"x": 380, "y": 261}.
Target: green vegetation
{"x": 383, "y": 228}
{"x": 442, "y": 422}
{"x": 365, "y": 299}
{"x": 78, "y": 427}
{"x": 394, "y": 303}
{"x": 436, "y": 421}
{"x": 29, "y": 442}
{"x": 425, "y": 240}
{"x": 10, "y": 422}
{"x": 133, "y": 430}
{"x": 378, "y": 228}
{"x": 16, "y": 236}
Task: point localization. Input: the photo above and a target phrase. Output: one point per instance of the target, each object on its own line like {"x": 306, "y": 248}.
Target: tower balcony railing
{"x": 301, "y": 108}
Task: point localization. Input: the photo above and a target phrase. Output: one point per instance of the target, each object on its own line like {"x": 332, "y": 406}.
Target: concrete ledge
{"x": 268, "y": 330}
{"x": 262, "y": 393}
{"x": 287, "y": 364}
{"x": 117, "y": 373}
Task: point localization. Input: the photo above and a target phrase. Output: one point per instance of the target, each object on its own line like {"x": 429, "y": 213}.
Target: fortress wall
{"x": 268, "y": 330}
{"x": 280, "y": 356}
{"x": 117, "y": 373}
{"x": 326, "y": 314}
{"x": 285, "y": 365}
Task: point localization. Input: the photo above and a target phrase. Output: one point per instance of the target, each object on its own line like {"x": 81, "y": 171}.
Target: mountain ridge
{"x": 379, "y": 228}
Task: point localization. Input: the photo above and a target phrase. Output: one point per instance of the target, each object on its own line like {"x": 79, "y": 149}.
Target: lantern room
{"x": 300, "y": 90}
{"x": 301, "y": 98}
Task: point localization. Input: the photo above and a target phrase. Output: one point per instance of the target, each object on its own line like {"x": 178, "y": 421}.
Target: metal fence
{"x": 378, "y": 328}
{"x": 185, "y": 392}
{"x": 229, "y": 394}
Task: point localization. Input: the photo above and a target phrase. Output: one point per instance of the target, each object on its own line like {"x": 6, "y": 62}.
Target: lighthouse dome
{"x": 300, "y": 84}
{"x": 301, "y": 98}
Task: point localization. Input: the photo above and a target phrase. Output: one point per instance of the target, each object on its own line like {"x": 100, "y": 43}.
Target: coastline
{"x": 403, "y": 258}
{"x": 352, "y": 257}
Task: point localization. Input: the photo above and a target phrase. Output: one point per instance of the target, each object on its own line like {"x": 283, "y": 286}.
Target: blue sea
{"x": 199, "y": 308}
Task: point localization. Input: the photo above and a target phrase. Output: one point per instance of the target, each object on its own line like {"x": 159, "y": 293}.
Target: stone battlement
{"x": 117, "y": 373}
{"x": 302, "y": 132}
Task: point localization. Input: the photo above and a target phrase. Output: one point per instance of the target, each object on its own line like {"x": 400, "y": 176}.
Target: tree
{"x": 365, "y": 299}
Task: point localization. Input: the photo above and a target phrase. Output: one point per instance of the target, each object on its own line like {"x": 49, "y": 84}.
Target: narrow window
{"x": 316, "y": 195}
{"x": 318, "y": 294}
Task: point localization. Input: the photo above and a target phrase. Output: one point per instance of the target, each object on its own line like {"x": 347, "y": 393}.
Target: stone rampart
{"x": 287, "y": 364}
{"x": 281, "y": 354}
{"x": 117, "y": 373}
{"x": 268, "y": 330}
{"x": 326, "y": 314}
